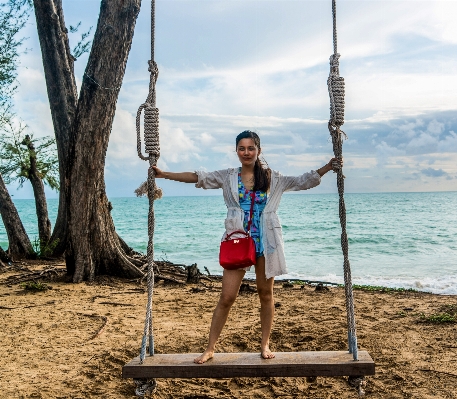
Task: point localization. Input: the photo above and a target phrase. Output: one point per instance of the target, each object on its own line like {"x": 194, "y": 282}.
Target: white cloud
{"x": 175, "y": 145}
{"x": 384, "y": 152}
{"x": 435, "y": 128}
{"x": 449, "y": 143}
{"x": 424, "y": 142}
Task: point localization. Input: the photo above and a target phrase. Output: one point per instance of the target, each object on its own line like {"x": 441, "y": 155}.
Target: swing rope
{"x": 335, "y": 85}
{"x": 152, "y": 147}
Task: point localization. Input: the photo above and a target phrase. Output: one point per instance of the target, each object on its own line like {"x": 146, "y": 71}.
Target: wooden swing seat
{"x": 227, "y": 365}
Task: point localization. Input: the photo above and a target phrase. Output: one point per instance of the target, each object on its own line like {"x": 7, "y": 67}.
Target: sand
{"x": 54, "y": 346}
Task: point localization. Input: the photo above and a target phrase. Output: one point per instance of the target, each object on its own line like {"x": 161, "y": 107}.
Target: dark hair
{"x": 262, "y": 173}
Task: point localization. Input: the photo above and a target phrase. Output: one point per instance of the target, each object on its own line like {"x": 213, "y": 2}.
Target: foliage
{"x": 15, "y": 156}
{"x": 381, "y": 289}
{"x": 84, "y": 44}
{"x": 445, "y": 314}
{"x": 13, "y": 17}
{"x": 34, "y": 286}
{"x": 44, "y": 250}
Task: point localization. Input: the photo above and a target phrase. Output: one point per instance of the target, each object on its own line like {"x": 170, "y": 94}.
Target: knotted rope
{"x": 152, "y": 148}
{"x": 335, "y": 85}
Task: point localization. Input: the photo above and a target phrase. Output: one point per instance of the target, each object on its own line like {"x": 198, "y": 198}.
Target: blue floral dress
{"x": 260, "y": 201}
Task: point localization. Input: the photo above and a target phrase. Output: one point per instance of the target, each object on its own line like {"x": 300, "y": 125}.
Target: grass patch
{"x": 445, "y": 314}
{"x": 43, "y": 250}
{"x": 34, "y": 286}
{"x": 378, "y": 288}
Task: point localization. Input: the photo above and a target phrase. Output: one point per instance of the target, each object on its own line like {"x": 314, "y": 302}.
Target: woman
{"x": 237, "y": 184}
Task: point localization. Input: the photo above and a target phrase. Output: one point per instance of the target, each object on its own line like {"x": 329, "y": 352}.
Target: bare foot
{"x": 204, "y": 357}
{"x": 266, "y": 353}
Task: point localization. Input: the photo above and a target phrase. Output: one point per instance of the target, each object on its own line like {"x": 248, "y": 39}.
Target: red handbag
{"x": 236, "y": 253}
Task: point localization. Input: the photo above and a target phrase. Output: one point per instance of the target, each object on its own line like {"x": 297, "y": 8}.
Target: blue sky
{"x": 226, "y": 66}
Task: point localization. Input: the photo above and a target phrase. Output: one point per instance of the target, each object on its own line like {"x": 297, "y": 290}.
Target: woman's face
{"x": 247, "y": 152}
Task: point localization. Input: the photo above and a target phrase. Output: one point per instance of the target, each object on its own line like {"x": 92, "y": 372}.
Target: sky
{"x": 227, "y": 66}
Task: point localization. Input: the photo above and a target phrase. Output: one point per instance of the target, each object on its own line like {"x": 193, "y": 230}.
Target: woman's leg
{"x": 231, "y": 281}
{"x": 267, "y": 308}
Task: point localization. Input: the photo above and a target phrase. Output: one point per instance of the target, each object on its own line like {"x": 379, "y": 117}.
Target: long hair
{"x": 262, "y": 173}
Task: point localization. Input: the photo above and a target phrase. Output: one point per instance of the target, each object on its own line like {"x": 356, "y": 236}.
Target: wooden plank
{"x": 227, "y": 365}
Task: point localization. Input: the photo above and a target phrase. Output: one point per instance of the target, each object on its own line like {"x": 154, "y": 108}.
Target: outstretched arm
{"x": 184, "y": 177}
{"x": 334, "y": 164}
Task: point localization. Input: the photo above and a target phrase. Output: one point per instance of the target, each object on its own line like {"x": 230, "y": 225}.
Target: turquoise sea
{"x": 395, "y": 239}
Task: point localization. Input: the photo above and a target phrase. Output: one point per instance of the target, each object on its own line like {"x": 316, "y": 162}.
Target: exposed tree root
{"x": 41, "y": 304}
{"x": 29, "y": 275}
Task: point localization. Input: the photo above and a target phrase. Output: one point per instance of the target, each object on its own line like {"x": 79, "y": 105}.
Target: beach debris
{"x": 145, "y": 387}
{"x": 278, "y": 304}
{"x": 196, "y": 290}
{"x": 193, "y": 274}
{"x": 116, "y": 304}
{"x": 287, "y": 284}
{"x": 169, "y": 280}
{"x": 245, "y": 287}
{"x": 321, "y": 288}
{"x": 358, "y": 382}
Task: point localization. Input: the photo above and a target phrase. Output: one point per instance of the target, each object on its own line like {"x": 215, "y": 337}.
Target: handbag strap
{"x": 251, "y": 210}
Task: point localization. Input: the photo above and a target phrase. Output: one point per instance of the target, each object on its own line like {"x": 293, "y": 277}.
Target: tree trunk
{"x": 19, "y": 243}
{"x": 44, "y": 224}
{"x": 4, "y": 256}
{"x": 94, "y": 247}
{"x": 58, "y": 66}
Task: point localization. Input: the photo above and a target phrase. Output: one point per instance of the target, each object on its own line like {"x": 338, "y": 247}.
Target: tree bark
{"x": 44, "y": 224}
{"x": 94, "y": 247}
{"x": 4, "y": 256}
{"x": 193, "y": 274}
{"x": 19, "y": 242}
{"x": 58, "y": 66}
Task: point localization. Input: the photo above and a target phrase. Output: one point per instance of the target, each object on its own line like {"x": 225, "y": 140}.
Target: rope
{"x": 152, "y": 148}
{"x": 335, "y": 85}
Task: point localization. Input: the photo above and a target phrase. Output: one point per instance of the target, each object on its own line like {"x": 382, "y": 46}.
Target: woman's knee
{"x": 227, "y": 300}
{"x": 265, "y": 295}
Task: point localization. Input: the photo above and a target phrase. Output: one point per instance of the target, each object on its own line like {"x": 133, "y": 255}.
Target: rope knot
{"x": 335, "y": 85}
{"x": 335, "y": 64}
{"x": 151, "y": 130}
{"x": 153, "y": 69}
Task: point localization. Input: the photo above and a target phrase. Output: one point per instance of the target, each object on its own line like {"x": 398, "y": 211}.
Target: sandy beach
{"x": 71, "y": 341}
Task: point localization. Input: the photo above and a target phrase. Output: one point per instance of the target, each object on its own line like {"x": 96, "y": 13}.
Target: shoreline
{"x": 72, "y": 340}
